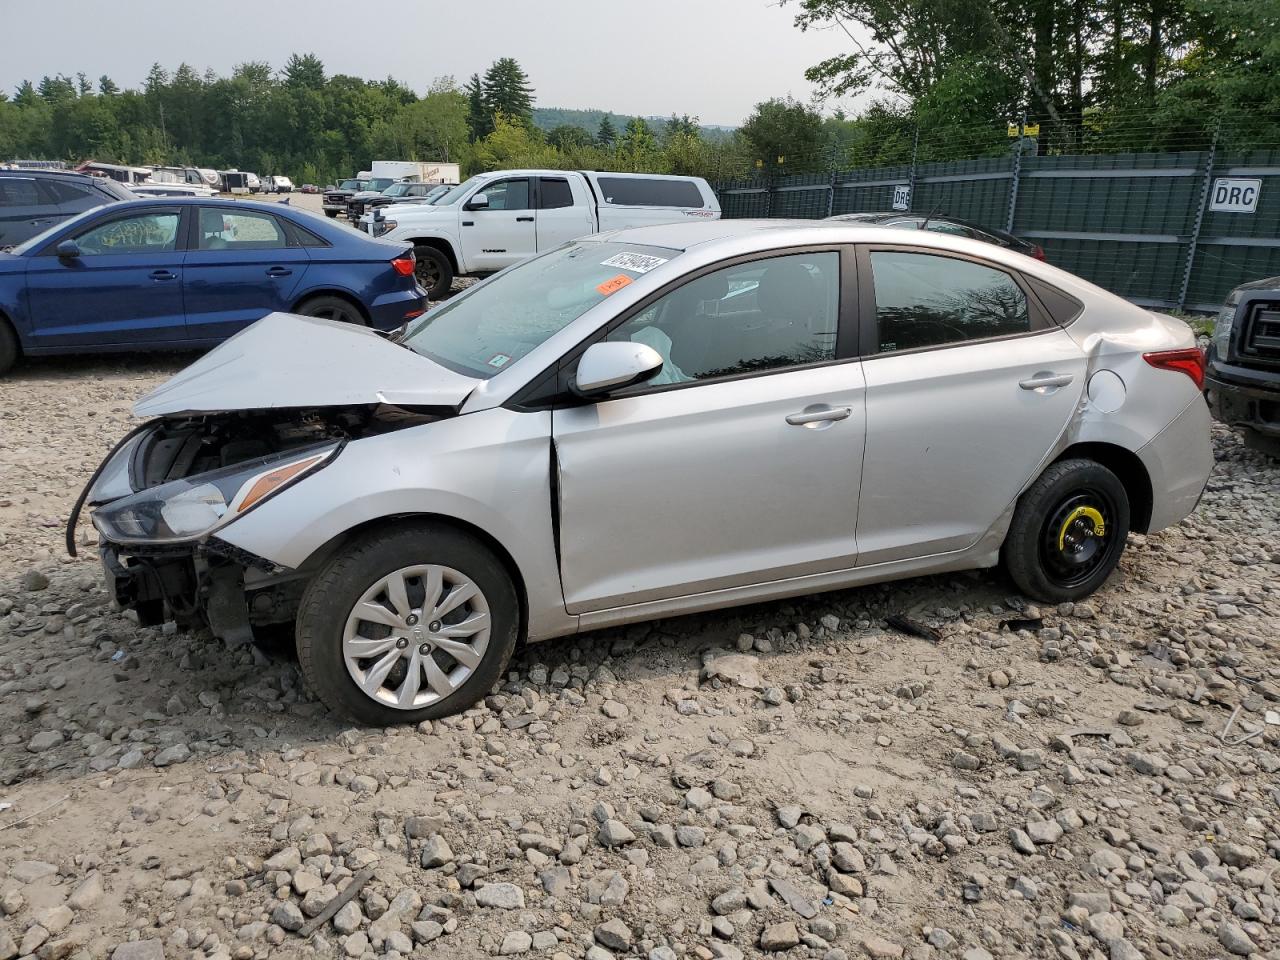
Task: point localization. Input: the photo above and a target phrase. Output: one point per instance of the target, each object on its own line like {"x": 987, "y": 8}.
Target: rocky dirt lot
{"x": 793, "y": 779}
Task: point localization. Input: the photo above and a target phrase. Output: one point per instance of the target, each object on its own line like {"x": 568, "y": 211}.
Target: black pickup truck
{"x": 1242, "y": 378}
{"x": 335, "y": 201}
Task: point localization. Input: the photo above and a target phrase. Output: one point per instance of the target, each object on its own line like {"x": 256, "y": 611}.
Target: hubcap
{"x": 1076, "y": 538}
{"x": 416, "y": 636}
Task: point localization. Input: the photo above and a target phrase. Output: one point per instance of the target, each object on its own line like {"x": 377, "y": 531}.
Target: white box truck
{"x": 415, "y": 170}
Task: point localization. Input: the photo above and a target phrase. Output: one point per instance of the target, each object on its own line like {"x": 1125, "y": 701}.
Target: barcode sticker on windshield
{"x": 635, "y": 262}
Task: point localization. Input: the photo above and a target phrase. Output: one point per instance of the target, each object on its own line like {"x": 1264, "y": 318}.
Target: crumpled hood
{"x": 285, "y": 360}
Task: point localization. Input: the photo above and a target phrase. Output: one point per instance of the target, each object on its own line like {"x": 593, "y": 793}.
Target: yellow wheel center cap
{"x": 1097, "y": 524}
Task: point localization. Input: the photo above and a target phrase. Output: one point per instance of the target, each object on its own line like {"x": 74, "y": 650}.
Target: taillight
{"x": 1189, "y": 361}
{"x": 1038, "y": 252}
{"x": 404, "y": 264}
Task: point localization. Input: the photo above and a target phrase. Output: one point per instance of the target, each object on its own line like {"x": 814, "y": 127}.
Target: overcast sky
{"x": 711, "y": 58}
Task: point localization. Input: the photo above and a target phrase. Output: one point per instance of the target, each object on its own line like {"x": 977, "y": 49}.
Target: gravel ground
{"x": 794, "y": 779}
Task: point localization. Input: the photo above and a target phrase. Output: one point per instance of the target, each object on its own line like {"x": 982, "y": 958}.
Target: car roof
{"x": 41, "y": 172}
{"x": 683, "y": 235}
{"x": 184, "y": 201}
{"x": 879, "y": 216}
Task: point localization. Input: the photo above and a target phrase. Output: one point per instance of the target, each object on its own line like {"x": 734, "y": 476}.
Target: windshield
{"x": 396, "y": 190}
{"x": 351, "y": 185}
{"x": 379, "y": 184}
{"x": 499, "y": 322}
{"x": 458, "y": 192}
{"x": 435, "y": 194}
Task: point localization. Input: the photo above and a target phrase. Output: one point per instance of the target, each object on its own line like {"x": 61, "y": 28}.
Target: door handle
{"x": 163, "y": 275}
{"x": 819, "y": 416}
{"x": 1042, "y": 380}
{"x": 468, "y": 223}
{"x": 524, "y": 219}
{"x": 279, "y": 272}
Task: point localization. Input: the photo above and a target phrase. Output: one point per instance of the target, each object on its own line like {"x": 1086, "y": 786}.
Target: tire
{"x": 327, "y": 620}
{"x": 1068, "y": 531}
{"x": 433, "y": 271}
{"x": 332, "y": 308}
{"x": 10, "y": 350}
{"x": 1259, "y": 442}
{"x": 331, "y": 214}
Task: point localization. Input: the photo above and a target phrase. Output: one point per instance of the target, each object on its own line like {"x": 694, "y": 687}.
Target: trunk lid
{"x": 287, "y": 361}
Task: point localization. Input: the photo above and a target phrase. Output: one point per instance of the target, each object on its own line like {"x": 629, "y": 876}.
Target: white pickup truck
{"x": 497, "y": 219}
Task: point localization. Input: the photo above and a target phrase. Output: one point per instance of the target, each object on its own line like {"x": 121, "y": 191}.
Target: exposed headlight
{"x": 193, "y": 507}
{"x": 1222, "y": 331}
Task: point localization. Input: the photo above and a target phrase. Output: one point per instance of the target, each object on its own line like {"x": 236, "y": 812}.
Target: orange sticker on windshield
{"x": 613, "y": 285}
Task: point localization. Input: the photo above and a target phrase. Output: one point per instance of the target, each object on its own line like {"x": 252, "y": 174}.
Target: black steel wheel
{"x": 1068, "y": 531}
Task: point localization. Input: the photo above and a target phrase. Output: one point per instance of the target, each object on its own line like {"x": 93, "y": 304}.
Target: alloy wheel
{"x": 428, "y": 273}
{"x": 416, "y": 635}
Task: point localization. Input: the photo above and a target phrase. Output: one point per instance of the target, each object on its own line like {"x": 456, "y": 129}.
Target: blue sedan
{"x": 184, "y": 272}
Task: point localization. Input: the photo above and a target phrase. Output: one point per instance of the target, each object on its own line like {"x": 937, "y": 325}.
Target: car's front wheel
{"x": 331, "y": 214}
{"x": 407, "y": 624}
{"x": 1068, "y": 531}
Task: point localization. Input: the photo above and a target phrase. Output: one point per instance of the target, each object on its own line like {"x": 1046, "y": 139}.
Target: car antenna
{"x": 924, "y": 225}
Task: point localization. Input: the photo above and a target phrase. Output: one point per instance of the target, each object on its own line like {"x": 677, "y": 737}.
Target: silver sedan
{"x": 647, "y": 423}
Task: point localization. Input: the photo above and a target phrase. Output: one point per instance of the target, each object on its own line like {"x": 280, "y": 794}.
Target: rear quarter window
{"x": 1061, "y": 307}
{"x": 639, "y": 192}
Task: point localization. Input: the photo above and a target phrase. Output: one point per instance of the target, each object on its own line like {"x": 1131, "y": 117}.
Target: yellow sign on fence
{"x": 1030, "y": 130}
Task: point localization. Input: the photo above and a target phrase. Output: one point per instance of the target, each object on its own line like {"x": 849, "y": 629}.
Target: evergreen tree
{"x": 26, "y": 95}
{"x": 479, "y": 119}
{"x": 682, "y": 126}
{"x": 304, "y": 72}
{"x": 57, "y": 89}
{"x": 507, "y": 91}
{"x": 607, "y": 132}
{"x": 107, "y": 87}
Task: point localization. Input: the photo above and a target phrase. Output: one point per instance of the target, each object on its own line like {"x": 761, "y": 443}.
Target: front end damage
{"x": 161, "y": 497}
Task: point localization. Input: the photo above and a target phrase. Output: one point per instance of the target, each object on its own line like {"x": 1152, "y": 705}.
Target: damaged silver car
{"x": 642, "y": 424}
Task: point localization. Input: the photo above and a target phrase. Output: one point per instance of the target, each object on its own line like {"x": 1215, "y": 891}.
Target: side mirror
{"x": 478, "y": 202}
{"x": 609, "y": 366}
{"x": 68, "y": 250}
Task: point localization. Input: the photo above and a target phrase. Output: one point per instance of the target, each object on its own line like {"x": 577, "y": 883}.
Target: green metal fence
{"x": 1139, "y": 224}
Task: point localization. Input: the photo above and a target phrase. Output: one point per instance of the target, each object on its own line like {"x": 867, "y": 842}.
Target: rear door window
{"x": 554, "y": 193}
{"x": 924, "y": 300}
{"x": 66, "y": 192}
{"x": 18, "y": 192}
{"x": 224, "y": 230}
{"x": 642, "y": 192}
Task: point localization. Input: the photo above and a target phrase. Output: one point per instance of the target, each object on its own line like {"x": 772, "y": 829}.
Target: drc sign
{"x": 1233, "y": 195}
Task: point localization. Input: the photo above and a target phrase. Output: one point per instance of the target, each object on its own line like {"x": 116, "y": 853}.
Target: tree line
{"x": 317, "y": 128}
{"x": 938, "y": 79}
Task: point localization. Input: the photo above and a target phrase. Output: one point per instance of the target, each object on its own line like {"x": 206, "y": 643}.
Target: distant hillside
{"x": 548, "y": 118}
